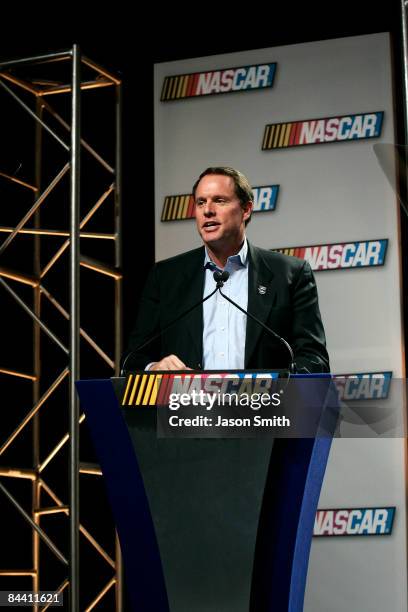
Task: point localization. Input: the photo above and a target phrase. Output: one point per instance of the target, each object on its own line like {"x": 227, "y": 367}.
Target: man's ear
{"x": 248, "y": 208}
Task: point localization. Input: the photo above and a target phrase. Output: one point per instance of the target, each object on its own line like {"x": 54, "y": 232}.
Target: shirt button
{"x": 222, "y": 328}
{"x": 221, "y": 354}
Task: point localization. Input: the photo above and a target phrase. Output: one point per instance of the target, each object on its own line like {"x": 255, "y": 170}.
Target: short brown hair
{"x": 243, "y": 189}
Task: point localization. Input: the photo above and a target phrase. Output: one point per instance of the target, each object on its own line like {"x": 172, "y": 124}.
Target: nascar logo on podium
{"x": 149, "y": 389}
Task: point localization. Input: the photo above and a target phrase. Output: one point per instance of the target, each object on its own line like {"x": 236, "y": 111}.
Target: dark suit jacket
{"x": 289, "y": 307}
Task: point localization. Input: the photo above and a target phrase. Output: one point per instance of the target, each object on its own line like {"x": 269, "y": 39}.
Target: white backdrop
{"x": 329, "y": 193}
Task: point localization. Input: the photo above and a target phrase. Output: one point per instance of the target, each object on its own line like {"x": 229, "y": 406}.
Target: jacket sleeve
{"x": 146, "y": 327}
{"x": 308, "y": 337}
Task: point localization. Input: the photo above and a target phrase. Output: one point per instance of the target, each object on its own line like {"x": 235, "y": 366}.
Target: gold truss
{"x": 53, "y": 232}
{"x": 103, "y": 78}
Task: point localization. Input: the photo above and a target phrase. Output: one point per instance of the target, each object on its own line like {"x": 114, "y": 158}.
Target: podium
{"x": 207, "y": 524}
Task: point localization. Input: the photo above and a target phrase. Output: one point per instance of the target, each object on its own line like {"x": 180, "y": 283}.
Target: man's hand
{"x": 171, "y": 362}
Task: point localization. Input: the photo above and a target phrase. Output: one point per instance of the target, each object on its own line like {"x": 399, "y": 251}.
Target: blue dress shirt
{"x": 224, "y": 326}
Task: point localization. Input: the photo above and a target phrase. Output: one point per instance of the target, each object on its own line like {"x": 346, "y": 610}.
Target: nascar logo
{"x": 155, "y": 389}
{"x": 220, "y": 81}
{"x": 179, "y": 207}
{"x": 364, "y": 386}
{"x": 341, "y": 255}
{"x": 354, "y": 522}
{"x": 318, "y": 131}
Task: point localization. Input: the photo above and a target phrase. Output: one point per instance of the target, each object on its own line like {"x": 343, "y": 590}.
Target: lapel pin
{"x": 261, "y": 290}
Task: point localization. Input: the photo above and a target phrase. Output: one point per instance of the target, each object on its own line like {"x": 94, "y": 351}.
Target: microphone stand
{"x": 220, "y": 278}
{"x": 162, "y": 331}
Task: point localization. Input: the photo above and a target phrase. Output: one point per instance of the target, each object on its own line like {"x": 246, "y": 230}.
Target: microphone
{"x": 220, "y": 278}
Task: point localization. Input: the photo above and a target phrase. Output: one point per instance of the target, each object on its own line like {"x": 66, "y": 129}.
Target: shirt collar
{"x": 240, "y": 259}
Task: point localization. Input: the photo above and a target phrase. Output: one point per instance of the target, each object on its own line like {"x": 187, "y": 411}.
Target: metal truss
{"x": 48, "y": 295}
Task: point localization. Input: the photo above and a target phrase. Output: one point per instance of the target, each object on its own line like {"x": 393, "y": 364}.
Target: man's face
{"x": 219, "y": 215}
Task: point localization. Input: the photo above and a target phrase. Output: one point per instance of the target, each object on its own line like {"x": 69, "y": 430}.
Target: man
{"x": 278, "y": 290}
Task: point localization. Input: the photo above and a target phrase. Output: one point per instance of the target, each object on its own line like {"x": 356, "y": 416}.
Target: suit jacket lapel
{"x": 194, "y": 287}
{"x": 261, "y": 294}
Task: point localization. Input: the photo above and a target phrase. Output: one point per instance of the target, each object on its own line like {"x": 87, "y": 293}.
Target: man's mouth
{"x": 210, "y": 225}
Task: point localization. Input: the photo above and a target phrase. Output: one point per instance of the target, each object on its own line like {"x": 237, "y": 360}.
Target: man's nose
{"x": 209, "y": 209}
